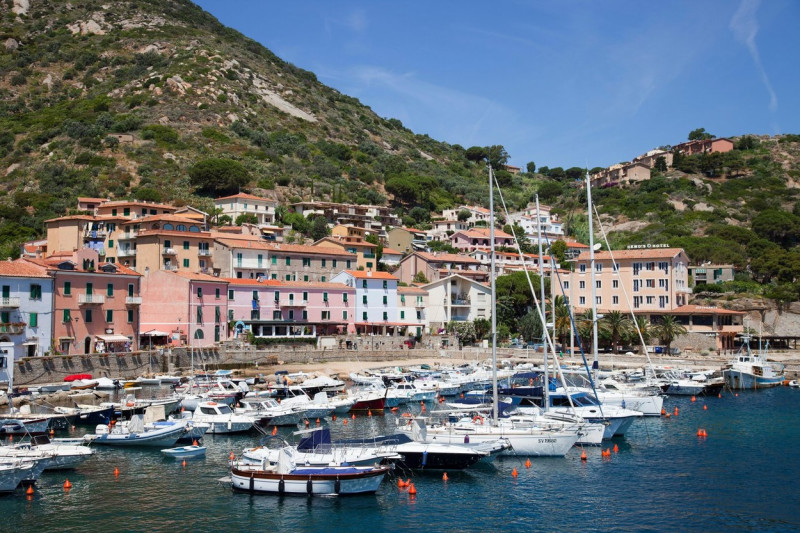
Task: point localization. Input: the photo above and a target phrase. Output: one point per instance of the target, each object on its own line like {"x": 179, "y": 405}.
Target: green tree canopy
{"x": 218, "y": 176}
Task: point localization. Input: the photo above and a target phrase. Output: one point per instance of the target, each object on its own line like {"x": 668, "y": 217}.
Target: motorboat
{"x": 407, "y": 392}
{"x": 89, "y": 415}
{"x": 132, "y": 405}
{"x": 185, "y": 452}
{"x": 749, "y": 370}
{"x": 286, "y": 477}
{"x": 268, "y": 412}
{"x": 368, "y": 398}
{"x": 222, "y": 418}
{"x": 59, "y": 456}
{"x": 20, "y": 424}
{"x": 133, "y": 433}
{"x": 13, "y": 473}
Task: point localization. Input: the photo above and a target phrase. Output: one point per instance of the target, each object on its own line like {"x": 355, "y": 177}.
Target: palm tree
{"x": 562, "y": 321}
{"x": 668, "y": 329}
{"x": 617, "y": 325}
{"x": 643, "y": 325}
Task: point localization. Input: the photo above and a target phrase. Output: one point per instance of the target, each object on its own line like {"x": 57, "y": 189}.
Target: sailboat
{"x": 538, "y": 438}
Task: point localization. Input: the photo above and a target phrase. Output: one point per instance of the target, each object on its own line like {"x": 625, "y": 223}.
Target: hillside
{"x": 143, "y": 99}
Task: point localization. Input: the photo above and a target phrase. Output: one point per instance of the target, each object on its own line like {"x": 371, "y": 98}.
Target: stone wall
{"x": 36, "y": 370}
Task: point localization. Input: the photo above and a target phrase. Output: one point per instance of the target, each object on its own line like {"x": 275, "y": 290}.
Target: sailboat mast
{"x": 595, "y": 363}
{"x": 494, "y": 295}
{"x": 545, "y": 390}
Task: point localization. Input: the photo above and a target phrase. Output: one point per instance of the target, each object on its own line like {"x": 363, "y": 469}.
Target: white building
{"x": 376, "y": 300}
{"x": 456, "y": 299}
{"x": 26, "y": 307}
{"x": 411, "y": 304}
{"x": 240, "y": 204}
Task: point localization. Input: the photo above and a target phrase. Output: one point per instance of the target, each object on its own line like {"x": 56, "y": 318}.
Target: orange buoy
{"x": 719, "y": 395}
{"x": 29, "y": 492}
{"x": 67, "y": 485}
{"x": 183, "y": 464}
{"x": 514, "y": 472}
{"x": 444, "y": 477}
{"x": 369, "y": 412}
{"x": 528, "y": 462}
{"x": 616, "y": 448}
{"x": 412, "y": 489}
{"x": 583, "y": 455}
{"x": 705, "y": 433}
{"x": 317, "y": 421}
{"x": 194, "y": 442}
{"x": 401, "y": 483}
{"x": 699, "y": 432}
{"x": 307, "y": 422}
{"x": 354, "y": 416}
{"x": 668, "y": 415}
{"x": 694, "y": 399}
{"x": 116, "y": 472}
{"x": 394, "y": 409}
{"x": 663, "y": 411}
{"x": 676, "y": 411}
{"x": 232, "y": 456}
{"x": 333, "y": 417}
{"x": 345, "y": 421}
{"x": 705, "y": 408}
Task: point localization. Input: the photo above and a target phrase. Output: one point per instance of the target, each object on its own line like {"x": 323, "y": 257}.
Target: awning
{"x": 30, "y": 343}
{"x": 155, "y": 333}
{"x": 113, "y": 338}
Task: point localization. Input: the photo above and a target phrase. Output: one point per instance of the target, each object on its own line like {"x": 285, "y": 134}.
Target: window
{"x": 65, "y": 317}
{"x": 130, "y": 316}
{"x": 5, "y": 317}
{"x": 230, "y": 314}
{"x": 305, "y": 296}
{"x": 581, "y": 284}
{"x": 199, "y": 315}
{"x": 324, "y": 262}
{"x": 348, "y": 263}
{"x": 364, "y": 299}
{"x": 291, "y": 314}
{"x": 324, "y": 296}
{"x": 663, "y": 265}
{"x": 288, "y": 277}
{"x": 113, "y": 212}
{"x": 651, "y": 283}
{"x": 651, "y": 300}
{"x": 615, "y": 300}
{"x": 419, "y": 313}
{"x": 566, "y": 284}
{"x": 364, "y": 284}
{"x": 598, "y": 284}
{"x": 651, "y": 265}
{"x": 582, "y": 268}
{"x": 385, "y": 300}
{"x": 344, "y": 315}
{"x": 288, "y": 261}
{"x": 199, "y": 292}
{"x": 33, "y": 320}
{"x": 217, "y": 314}
{"x": 185, "y": 245}
{"x": 369, "y": 264}
{"x": 274, "y": 276}
{"x": 230, "y": 294}
{"x": 615, "y": 267}
{"x": 167, "y": 244}
{"x": 185, "y": 263}
{"x": 385, "y": 316}
{"x": 130, "y": 289}
{"x": 306, "y": 262}
{"x": 126, "y": 212}
{"x": 402, "y": 314}
{"x": 67, "y": 288}
{"x": 663, "y": 284}
{"x": 364, "y": 316}
{"x": 615, "y": 284}
{"x": 274, "y": 260}
{"x": 305, "y": 314}
{"x": 277, "y": 296}
{"x": 637, "y": 301}
{"x": 322, "y": 279}
{"x": 255, "y": 314}
{"x": 276, "y": 315}
{"x": 305, "y": 278}
{"x": 36, "y": 292}
{"x": 636, "y": 285}
{"x": 260, "y": 260}
{"x": 582, "y": 300}
{"x": 385, "y": 284}
{"x": 87, "y": 316}
{"x": 636, "y": 268}
{"x": 598, "y": 300}
{"x": 89, "y": 288}
{"x": 663, "y": 301}
{"x": 326, "y": 315}
{"x": 598, "y": 267}
{"x": 216, "y": 293}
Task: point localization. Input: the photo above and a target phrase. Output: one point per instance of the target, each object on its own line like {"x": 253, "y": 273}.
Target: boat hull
{"x": 306, "y": 481}
{"x": 740, "y": 380}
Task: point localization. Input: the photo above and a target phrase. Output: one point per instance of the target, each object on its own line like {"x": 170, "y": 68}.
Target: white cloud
{"x": 745, "y": 28}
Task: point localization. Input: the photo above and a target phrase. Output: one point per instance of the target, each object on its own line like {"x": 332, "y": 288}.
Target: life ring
{"x": 477, "y": 420}
{"x": 130, "y": 404}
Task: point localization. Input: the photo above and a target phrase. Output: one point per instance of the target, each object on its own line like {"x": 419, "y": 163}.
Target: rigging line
{"x": 625, "y": 293}
{"x": 542, "y": 318}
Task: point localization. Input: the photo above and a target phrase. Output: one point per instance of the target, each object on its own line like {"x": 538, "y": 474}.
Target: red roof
{"x": 245, "y": 196}
{"x": 22, "y": 269}
{"x": 367, "y": 274}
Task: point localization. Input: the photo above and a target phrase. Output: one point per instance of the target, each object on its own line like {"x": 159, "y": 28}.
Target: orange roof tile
{"x": 367, "y": 274}
{"x": 198, "y": 276}
{"x": 22, "y": 269}
{"x": 446, "y": 258}
{"x": 245, "y": 196}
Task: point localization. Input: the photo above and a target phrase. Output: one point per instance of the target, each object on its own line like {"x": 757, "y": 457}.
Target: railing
{"x": 168, "y": 251}
{"x": 12, "y": 328}
{"x": 133, "y": 300}
{"x": 461, "y": 301}
{"x": 204, "y": 253}
{"x": 7, "y": 302}
{"x": 125, "y": 252}
{"x": 86, "y": 299}
{"x": 95, "y": 234}
{"x": 293, "y": 303}
{"x": 172, "y": 268}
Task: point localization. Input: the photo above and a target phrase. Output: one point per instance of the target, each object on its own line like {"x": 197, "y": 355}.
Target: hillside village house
{"x": 476, "y": 214}
{"x": 456, "y": 299}
{"x": 271, "y": 308}
{"x": 376, "y": 301}
{"x": 710, "y": 273}
{"x": 26, "y": 307}
{"x": 718, "y": 327}
{"x": 371, "y": 217}
{"x": 407, "y": 240}
{"x": 187, "y": 308}
{"x": 437, "y": 265}
{"x": 702, "y": 146}
{"x": 411, "y": 309}
{"x": 391, "y": 257}
{"x": 443, "y": 229}
{"x": 472, "y": 239}
{"x": 366, "y": 258}
{"x": 344, "y": 230}
{"x": 506, "y": 261}
{"x": 95, "y": 305}
{"x": 655, "y": 280}
{"x": 247, "y": 204}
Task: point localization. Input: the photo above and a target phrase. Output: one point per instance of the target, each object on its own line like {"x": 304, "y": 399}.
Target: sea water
{"x": 742, "y": 477}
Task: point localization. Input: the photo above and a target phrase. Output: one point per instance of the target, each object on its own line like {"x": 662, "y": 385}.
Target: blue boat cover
{"x": 329, "y": 470}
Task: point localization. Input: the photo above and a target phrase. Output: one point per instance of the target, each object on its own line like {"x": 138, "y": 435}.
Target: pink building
{"x": 95, "y": 305}
{"x": 290, "y": 309}
{"x": 184, "y": 307}
{"x": 480, "y": 237}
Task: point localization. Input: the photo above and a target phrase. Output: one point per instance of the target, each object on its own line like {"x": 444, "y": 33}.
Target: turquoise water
{"x": 742, "y": 477}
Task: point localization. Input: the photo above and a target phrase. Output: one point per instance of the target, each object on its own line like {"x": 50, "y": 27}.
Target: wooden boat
{"x": 287, "y": 478}
{"x": 183, "y": 452}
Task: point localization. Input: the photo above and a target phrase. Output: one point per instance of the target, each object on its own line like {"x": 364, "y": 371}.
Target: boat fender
{"x": 281, "y": 486}
{"x": 466, "y": 439}
{"x": 310, "y": 487}
{"x": 337, "y": 486}
{"x": 424, "y": 458}
{"x": 229, "y": 425}
{"x": 252, "y": 483}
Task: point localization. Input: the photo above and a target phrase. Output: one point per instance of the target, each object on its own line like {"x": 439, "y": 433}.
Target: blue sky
{"x": 560, "y": 83}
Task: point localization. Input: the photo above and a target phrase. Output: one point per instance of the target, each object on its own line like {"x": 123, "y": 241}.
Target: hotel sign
{"x": 646, "y": 246}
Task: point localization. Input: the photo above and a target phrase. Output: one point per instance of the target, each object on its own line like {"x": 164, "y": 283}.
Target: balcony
{"x": 95, "y": 234}
{"x": 133, "y": 300}
{"x": 126, "y": 236}
{"x": 293, "y": 303}
{"x": 171, "y": 268}
{"x": 9, "y": 302}
{"x": 91, "y": 299}
{"x": 125, "y": 252}
{"x": 204, "y": 253}
{"x": 12, "y": 328}
{"x": 168, "y": 251}
{"x": 460, "y": 302}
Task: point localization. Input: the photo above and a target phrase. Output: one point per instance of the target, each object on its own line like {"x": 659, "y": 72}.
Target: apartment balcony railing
{"x": 91, "y": 299}
{"x": 9, "y": 302}
{"x": 12, "y": 328}
{"x": 168, "y": 251}
{"x": 133, "y": 300}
